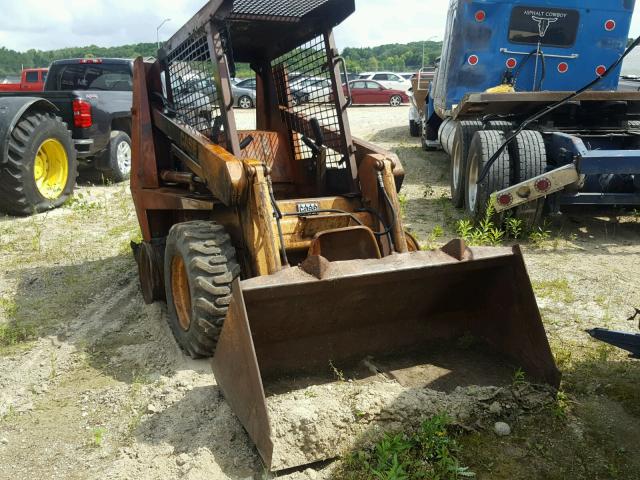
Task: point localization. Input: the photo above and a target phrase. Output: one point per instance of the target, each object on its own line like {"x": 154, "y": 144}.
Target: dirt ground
{"x": 93, "y": 386}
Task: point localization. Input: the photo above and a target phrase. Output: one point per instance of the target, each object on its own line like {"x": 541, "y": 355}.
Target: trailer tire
{"x": 477, "y": 195}
{"x": 414, "y": 128}
{"x": 529, "y": 157}
{"x": 199, "y": 269}
{"x": 465, "y": 130}
{"x": 41, "y": 167}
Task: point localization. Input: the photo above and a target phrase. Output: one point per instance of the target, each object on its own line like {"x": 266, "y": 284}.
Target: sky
{"x": 51, "y": 24}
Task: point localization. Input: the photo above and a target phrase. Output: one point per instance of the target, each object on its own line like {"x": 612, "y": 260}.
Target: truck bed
{"x": 524, "y": 103}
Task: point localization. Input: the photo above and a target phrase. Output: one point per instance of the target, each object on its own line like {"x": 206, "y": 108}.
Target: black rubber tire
{"x": 211, "y": 267}
{"x": 529, "y": 159}
{"x": 414, "y": 128}
{"x": 501, "y": 125}
{"x": 393, "y": 99}
{"x": 19, "y": 194}
{"x": 244, "y": 104}
{"x": 112, "y": 171}
{"x": 465, "y": 130}
{"x": 484, "y": 144}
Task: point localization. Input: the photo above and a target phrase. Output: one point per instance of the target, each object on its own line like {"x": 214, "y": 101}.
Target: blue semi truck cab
{"x": 505, "y": 60}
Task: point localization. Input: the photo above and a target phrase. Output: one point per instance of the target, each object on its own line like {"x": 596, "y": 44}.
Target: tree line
{"x": 395, "y": 57}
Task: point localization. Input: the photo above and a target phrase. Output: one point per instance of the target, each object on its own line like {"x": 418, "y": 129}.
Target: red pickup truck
{"x": 32, "y": 80}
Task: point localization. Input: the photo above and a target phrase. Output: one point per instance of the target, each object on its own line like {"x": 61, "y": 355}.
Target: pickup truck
{"x": 31, "y": 80}
{"x": 87, "y": 104}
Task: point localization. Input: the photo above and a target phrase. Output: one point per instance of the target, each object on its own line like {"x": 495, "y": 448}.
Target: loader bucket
{"x": 286, "y": 328}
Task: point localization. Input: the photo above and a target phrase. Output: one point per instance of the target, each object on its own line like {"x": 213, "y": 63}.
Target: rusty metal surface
{"x": 523, "y": 102}
{"x": 224, "y": 173}
{"x": 344, "y": 312}
{"x": 351, "y": 243}
{"x": 237, "y": 373}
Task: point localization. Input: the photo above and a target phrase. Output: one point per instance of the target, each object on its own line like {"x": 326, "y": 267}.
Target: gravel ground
{"x": 93, "y": 385}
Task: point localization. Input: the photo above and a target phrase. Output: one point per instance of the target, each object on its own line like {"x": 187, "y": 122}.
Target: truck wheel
{"x": 118, "y": 158}
{"x": 414, "y": 128}
{"x": 41, "y": 167}
{"x": 199, "y": 268}
{"x": 465, "y": 130}
{"x": 529, "y": 156}
{"x": 484, "y": 144}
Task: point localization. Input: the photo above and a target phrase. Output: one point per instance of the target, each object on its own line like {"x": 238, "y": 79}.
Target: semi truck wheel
{"x": 117, "y": 162}
{"x": 41, "y": 167}
{"x": 465, "y": 130}
{"x": 529, "y": 156}
{"x": 199, "y": 268}
{"x": 414, "y": 128}
{"x": 484, "y": 144}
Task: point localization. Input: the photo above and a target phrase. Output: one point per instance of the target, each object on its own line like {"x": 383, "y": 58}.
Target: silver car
{"x": 242, "y": 97}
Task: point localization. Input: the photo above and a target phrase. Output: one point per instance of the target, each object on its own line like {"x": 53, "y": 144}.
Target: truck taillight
{"x": 90, "y": 61}
{"x": 610, "y": 25}
{"x": 82, "y": 114}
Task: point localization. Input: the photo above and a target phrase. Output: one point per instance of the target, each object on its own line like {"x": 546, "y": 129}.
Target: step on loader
{"x": 281, "y": 250}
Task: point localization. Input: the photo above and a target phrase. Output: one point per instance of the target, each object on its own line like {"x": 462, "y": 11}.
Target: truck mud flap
{"x": 283, "y": 331}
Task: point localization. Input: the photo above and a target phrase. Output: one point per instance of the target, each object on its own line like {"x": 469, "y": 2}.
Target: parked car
{"x": 249, "y": 84}
{"x": 370, "y": 92}
{"x": 31, "y": 80}
{"x": 244, "y": 98}
{"x": 314, "y": 89}
{"x": 388, "y": 79}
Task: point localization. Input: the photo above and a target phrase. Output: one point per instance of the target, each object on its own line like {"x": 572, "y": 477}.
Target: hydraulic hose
{"x": 551, "y": 108}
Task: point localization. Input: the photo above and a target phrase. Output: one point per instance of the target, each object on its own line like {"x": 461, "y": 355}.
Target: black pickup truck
{"x": 81, "y": 121}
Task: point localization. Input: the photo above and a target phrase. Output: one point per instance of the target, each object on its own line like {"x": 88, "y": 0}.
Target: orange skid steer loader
{"x": 281, "y": 249}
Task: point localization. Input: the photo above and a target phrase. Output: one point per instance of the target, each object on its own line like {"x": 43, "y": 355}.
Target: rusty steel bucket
{"x": 296, "y": 322}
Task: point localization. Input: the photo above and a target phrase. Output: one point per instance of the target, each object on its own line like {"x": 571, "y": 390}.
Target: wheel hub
{"x": 51, "y": 169}
{"x": 472, "y": 189}
{"x": 123, "y": 155}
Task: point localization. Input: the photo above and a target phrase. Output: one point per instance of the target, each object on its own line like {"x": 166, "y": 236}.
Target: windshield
{"x": 90, "y": 77}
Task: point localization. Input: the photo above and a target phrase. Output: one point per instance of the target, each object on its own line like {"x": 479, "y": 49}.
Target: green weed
{"x": 519, "y": 377}
{"x": 339, "y": 374}
{"x": 97, "y": 436}
{"x": 514, "y": 228}
{"x": 436, "y": 234}
{"x": 429, "y": 453}
{"x": 14, "y": 333}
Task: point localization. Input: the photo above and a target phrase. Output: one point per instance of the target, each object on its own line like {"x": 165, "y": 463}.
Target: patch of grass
{"x": 540, "y": 235}
{"x": 403, "y": 200}
{"x": 97, "y": 436}
{"x": 429, "y": 453}
{"x": 83, "y": 203}
{"x": 436, "y": 234}
{"x": 14, "y": 333}
{"x": 557, "y": 290}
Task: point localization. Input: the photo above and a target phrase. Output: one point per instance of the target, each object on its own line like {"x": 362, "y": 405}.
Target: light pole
{"x": 424, "y": 45}
{"x": 158, "y": 30}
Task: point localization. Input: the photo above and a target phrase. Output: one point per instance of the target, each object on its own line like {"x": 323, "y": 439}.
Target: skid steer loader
{"x": 280, "y": 250}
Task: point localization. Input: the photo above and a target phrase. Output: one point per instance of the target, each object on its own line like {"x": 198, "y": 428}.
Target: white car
{"x": 388, "y": 79}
